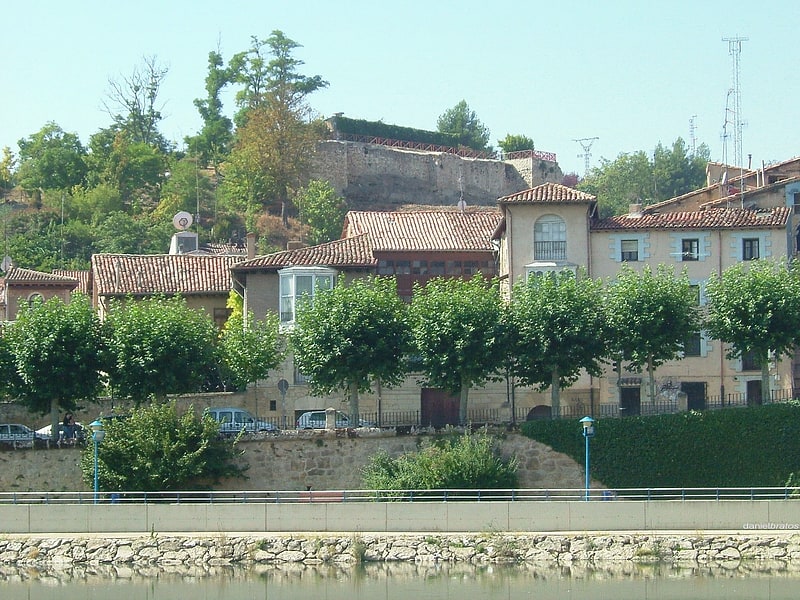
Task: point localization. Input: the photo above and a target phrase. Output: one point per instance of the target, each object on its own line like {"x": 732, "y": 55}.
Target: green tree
{"x": 457, "y": 334}
{"x": 156, "y": 449}
{"x": 213, "y": 142}
{"x": 352, "y": 336}
{"x": 323, "y": 210}
{"x": 57, "y": 349}
{"x": 463, "y": 122}
{"x": 515, "y": 143}
{"x": 651, "y": 316}
{"x": 9, "y": 378}
{"x": 468, "y": 461}
{"x": 8, "y": 167}
{"x": 755, "y": 308}
{"x": 250, "y": 348}
{"x": 188, "y": 188}
{"x": 557, "y": 326}
{"x": 636, "y": 178}
{"x": 158, "y": 346}
{"x": 51, "y": 159}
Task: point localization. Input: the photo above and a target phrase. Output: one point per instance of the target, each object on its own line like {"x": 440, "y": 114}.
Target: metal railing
{"x": 449, "y": 495}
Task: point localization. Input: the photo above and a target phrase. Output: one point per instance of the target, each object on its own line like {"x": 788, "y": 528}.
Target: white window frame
{"x": 615, "y": 245}
{"x": 287, "y": 294}
{"x": 538, "y": 269}
{"x": 764, "y": 245}
{"x": 549, "y": 228}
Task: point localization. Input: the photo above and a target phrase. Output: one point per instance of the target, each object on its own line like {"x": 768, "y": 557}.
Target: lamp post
{"x": 588, "y": 432}
{"x": 98, "y": 433}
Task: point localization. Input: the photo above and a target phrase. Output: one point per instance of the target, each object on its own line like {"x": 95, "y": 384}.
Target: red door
{"x": 438, "y": 408}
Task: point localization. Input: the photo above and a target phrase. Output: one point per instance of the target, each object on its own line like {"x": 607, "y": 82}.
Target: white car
{"x": 233, "y": 420}
{"x": 315, "y": 419}
{"x": 78, "y": 433}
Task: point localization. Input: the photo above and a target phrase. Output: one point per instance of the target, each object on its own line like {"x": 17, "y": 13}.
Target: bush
{"x": 735, "y": 447}
{"x": 464, "y": 462}
{"x": 156, "y": 449}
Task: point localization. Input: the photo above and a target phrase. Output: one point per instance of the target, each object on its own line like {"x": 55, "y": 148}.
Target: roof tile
{"x": 548, "y": 193}
{"x": 715, "y": 218}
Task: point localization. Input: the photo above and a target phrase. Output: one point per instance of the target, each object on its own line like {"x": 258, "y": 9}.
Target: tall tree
{"x": 756, "y": 309}
{"x": 323, "y": 210}
{"x": 158, "y": 346}
{"x": 57, "y": 349}
{"x": 51, "y": 159}
{"x": 351, "y": 337}
{"x": 651, "y": 316}
{"x": 132, "y": 101}
{"x": 214, "y": 140}
{"x": 8, "y": 167}
{"x": 558, "y": 329}
{"x": 457, "y": 334}
{"x": 464, "y": 123}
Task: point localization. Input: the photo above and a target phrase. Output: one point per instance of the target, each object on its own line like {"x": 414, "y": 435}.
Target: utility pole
{"x": 586, "y": 144}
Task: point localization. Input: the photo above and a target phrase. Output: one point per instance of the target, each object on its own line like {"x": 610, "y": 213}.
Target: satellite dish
{"x": 182, "y": 220}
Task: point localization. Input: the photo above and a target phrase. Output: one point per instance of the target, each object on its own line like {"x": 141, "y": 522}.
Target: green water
{"x": 401, "y": 581}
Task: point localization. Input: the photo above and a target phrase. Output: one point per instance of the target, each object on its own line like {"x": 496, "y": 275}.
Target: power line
{"x": 586, "y": 144}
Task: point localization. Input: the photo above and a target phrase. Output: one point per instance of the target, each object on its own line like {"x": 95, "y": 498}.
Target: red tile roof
{"x": 84, "y": 279}
{"x": 186, "y": 274}
{"x": 17, "y": 275}
{"x": 548, "y": 192}
{"x": 425, "y": 230}
{"x": 351, "y": 252}
{"x": 715, "y": 218}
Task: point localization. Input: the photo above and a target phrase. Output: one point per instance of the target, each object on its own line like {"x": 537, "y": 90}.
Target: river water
{"x": 390, "y": 581}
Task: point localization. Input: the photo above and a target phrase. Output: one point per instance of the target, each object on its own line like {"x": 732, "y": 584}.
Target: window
{"x": 750, "y": 249}
{"x": 297, "y": 283}
{"x": 35, "y": 298}
{"x": 750, "y": 362}
{"x": 550, "y": 238}
{"x": 692, "y": 346}
{"x": 690, "y": 249}
{"x": 630, "y": 250}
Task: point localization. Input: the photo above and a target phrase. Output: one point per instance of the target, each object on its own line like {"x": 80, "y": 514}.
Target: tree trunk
{"x": 463, "y": 398}
{"x": 651, "y": 374}
{"x": 766, "y": 395}
{"x": 555, "y": 395}
{"x": 352, "y": 389}
{"x": 55, "y": 419}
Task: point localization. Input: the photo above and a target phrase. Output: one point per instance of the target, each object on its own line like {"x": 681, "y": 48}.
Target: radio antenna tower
{"x": 735, "y": 50}
{"x": 586, "y": 144}
{"x": 693, "y": 135}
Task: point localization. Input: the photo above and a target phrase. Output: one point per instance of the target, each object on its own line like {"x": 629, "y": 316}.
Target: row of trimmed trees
{"x": 459, "y": 334}
{"x": 58, "y": 354}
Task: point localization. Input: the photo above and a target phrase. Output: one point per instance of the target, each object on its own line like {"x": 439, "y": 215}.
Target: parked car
{"x": 14, "y": 435}
{"x": 233, "y": 420}
{"x": 315, "y": 419}
{"x": 78, "y": 434}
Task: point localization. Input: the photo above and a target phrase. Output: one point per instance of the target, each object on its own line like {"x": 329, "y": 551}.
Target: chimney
{"x": 294, "y": 245}
{"x": 635, "y": 211}
{"x": 250, "y": 241}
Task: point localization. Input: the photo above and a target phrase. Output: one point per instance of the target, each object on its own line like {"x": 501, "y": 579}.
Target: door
{"x": 438, "y": 408}
{"x": 753, "y": 392}
{"x": 630, "y": 401}
{"x": 695, "y": 394}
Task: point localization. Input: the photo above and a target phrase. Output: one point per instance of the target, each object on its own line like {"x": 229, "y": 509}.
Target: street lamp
{"x": 588, "y": 432}
{"x": 98, "y": 433}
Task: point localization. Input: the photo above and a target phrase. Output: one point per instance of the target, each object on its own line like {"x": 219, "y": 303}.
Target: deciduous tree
{"x": 457, "y": 334}
{"x": 51, "y": 159}
{"x": 323, "y": 210}
{"x": 463, "y": 122}
{"x": 515, "y": 143}
{"x": 352, "y": 336}
{"x": 755, "y": 308}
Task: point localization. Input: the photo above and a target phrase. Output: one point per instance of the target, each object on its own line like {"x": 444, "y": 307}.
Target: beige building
{"x": 23, "y": 286}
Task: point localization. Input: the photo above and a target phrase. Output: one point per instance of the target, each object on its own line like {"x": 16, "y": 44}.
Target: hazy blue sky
{"x": 629, "y": 72}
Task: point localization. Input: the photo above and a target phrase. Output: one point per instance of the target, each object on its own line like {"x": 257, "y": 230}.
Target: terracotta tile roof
{"x": 715, "y": 218}
{"x": 548, "y": 192}
{"x": 17, "y": 275}
{"x": 351, "y": 252}
{"x": 425, "y": 230}
{"x": 84, "y": 279}
{"x": 186, "y": 274}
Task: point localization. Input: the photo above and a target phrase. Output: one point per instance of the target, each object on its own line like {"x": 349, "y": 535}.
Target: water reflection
{"x": 390, "y": 581}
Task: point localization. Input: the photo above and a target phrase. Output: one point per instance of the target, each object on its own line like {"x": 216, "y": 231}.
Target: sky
{"x": 630, "y": 73}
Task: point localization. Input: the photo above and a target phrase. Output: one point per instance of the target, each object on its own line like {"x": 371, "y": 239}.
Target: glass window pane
{"x": 304, "y": 284}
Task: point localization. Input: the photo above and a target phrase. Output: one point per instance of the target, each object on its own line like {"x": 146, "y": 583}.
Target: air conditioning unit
{"x": 183, "y": 242}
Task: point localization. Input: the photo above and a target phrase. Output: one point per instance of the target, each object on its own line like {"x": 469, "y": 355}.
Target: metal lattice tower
{"x": 735, "y": 50}
{"x": 693, "y": 135}
{"x": 586, "y": 144}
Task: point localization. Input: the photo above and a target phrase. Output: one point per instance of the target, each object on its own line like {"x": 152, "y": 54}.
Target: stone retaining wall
{"x": 729, "y": 551}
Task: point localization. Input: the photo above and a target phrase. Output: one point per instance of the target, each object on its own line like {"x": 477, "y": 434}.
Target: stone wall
{"x": 294, "y": 461}
{"x": 374, "y": 177}
{"x": 729, "y": 551}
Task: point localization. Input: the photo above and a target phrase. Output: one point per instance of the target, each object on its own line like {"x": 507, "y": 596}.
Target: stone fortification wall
{"x": 374, "y": 177}
{"x": 732, "y": 552}
{"x": 293, "y": 461}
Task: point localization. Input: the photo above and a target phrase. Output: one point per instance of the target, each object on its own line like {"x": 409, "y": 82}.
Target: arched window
{"x": 34, "y": 298}
{"x": 550, "y": 238}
